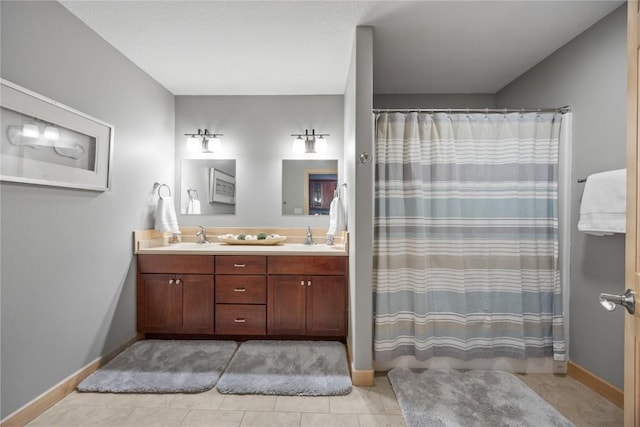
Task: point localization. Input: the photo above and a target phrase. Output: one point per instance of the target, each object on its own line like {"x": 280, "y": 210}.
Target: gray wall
{"x": 67, "y": 280}
{"x": 589, "y": 73}
{"x": 476, "y": 100}
{"x": 257, "y": 133}
{"x": 358, "y": 137}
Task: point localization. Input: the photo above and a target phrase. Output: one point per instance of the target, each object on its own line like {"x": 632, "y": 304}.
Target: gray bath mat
{"x": 163, "y": 366}
{"x": 287, "y": 368}
{"x": 437, "y": 397}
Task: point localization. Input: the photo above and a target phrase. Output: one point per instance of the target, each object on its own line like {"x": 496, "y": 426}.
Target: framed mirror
{"x": 308, "y": 186}
{"x": 208, "y": 187}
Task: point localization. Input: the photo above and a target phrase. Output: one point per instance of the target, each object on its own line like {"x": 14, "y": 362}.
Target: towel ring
{"x": 160, "y": 189}
{"x": 191, "y": 192}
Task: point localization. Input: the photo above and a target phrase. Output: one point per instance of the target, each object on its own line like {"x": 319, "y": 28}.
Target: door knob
{"x": 627, "y": 300}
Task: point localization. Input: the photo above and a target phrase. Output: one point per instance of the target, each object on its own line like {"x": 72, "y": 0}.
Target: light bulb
{"x": 194, "y": 144}
{"x": 298, "y": 145}
{"x": 51, "y": 133}
{"x": 30, "y": 131}
{"x": 321, "y": 145}
{"x": 213, "y": 144}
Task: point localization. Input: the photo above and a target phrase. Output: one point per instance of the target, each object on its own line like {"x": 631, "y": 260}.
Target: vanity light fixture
{"x": 310, "y": 142}
{"x": 51, "y": 133}
{"x": 203, "y": 141}
{"x": 30, "y": 131}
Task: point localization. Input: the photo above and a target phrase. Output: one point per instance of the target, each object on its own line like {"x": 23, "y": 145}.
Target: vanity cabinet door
{"x": 326, "y": 306}
{"x": 196, "y": 304}
{"x": 175, "y": 303}
{"x": 157, "y": 310}
{"x": 286, "y": 310}
{"x": 307, "y": 306}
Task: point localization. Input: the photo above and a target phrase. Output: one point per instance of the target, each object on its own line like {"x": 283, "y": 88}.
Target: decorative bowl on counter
{"x": 252, "y": 240}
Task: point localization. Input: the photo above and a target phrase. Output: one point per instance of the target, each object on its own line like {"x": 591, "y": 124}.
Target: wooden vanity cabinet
{"x": 307, "y": 296}
{"x": 175, "y": 294}
{"x": 241, "y": 295}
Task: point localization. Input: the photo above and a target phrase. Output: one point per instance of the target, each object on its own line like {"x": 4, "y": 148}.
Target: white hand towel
{"x": 337, "y": 220}
{"x": 604, "y": 203}
{"x": 193, "y": 208}
{"x": 166, "y": 219}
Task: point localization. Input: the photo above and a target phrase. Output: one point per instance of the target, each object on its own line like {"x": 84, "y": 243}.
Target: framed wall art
{"x": 222, "y": 187}
{"x": 44, "y": 142}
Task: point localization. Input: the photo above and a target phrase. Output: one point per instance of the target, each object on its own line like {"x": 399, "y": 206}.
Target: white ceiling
{"x": 304, "y": 47}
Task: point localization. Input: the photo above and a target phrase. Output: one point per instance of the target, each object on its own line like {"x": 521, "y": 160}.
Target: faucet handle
{"x": 309, "y": 237}
{"x": 202, "y": 234}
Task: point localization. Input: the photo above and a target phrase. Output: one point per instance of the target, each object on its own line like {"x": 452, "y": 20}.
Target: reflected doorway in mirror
{"x": 300, "y": 194}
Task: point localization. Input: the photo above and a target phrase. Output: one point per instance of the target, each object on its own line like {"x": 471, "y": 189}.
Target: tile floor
{"x": 364, "y": 406}
{"x": 577, "y": 402}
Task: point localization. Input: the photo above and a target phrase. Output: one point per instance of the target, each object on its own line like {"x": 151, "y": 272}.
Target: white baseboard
{"x": 46, "y": 400}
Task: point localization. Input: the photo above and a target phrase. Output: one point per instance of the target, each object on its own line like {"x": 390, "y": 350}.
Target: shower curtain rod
{"x": 562, "y": 110}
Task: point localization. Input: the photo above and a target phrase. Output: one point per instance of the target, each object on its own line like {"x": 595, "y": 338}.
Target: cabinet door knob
{"x": 178, "y": 281}
{"x": 240, "y": 265}
{"x": 240, "y": 290}
{"x": 239, "y": 320}
{"x": 171, "y": 281}
{"x": 308, "y": 282}
{"x": 301, "y": 282}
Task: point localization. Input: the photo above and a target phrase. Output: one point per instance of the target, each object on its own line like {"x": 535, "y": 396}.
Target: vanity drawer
{"x": 238, "y": 319}
{"x": 238, "y": 289}
{"x": 173, "y": 264}
{"x": 317, "y": 265}
{"x": 241, "y": 264}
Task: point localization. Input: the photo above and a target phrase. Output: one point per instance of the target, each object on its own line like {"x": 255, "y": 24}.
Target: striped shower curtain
{"x": 466, "y": 236}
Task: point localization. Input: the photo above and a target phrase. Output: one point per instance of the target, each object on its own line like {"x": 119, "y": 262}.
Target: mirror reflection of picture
{"x": 196, "y": 179}
{"x": 222, "y": 187}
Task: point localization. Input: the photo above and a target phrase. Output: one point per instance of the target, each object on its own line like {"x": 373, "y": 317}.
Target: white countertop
{"x": 190, "y": 248}
{"x": 152, "y": 242}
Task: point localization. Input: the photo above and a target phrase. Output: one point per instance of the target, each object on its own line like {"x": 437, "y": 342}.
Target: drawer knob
{"x": 309, "y": 283}
{"x": 240, "y": 265}
{"x": 240, "y": 290}
{"x": 178, "y": 281}
{"x": 171, "y": 281}
{"x": 301, "y": 282}
{"x": 239, "y": 320}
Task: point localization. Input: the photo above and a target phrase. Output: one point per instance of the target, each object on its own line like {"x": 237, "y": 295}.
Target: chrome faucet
{"x": 202, "y": 235}
{"x": 309, "y": 237}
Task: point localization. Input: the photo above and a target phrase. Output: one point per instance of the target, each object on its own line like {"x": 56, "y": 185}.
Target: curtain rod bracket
{"x": 365, "y": 158}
